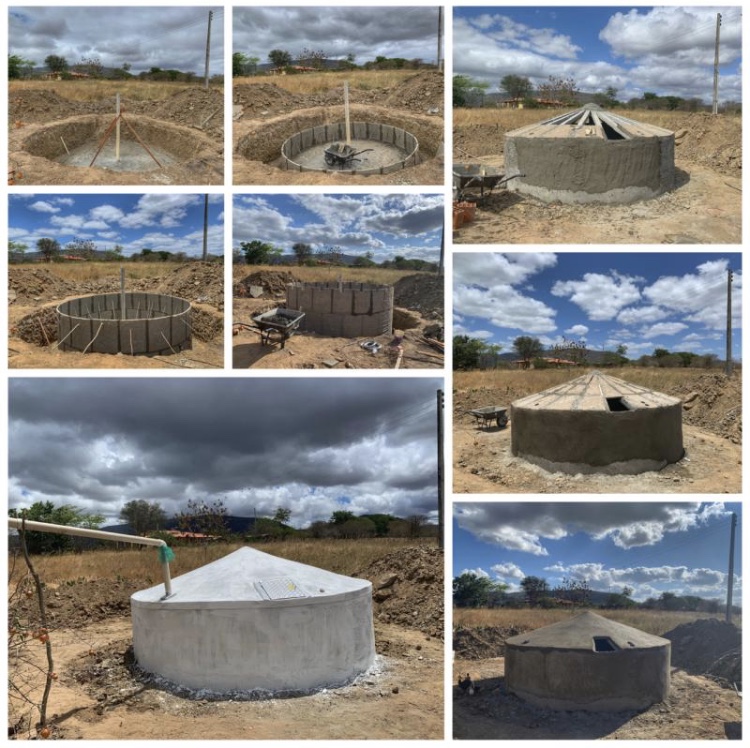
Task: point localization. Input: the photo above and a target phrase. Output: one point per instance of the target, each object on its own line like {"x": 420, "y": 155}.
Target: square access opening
{"x": 604, "y": 644}
{"x": 617, "y": 404}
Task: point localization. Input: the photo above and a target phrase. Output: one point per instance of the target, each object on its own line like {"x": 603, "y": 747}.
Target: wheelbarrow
{"x": 485, "y": 416}
{"x": 478, "y": 177}
{"x": 341, "y": 155}
{"x": 277, "y": 325}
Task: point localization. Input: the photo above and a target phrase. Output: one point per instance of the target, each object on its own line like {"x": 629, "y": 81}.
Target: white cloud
{"x": 43, "y": 206}
{"x": 476, "y": 573}
{"x": 663, "y": 328}
{"x": 507, "y": 571}
{"x": 600, "y": 296}
{"x": 580, "y": 331}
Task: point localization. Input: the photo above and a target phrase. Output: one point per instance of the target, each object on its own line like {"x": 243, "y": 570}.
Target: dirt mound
{"x": 207, "y": 324}
{"x": 41, "y": 106}
{"x": 708, "y": 646}
{"x": 482, "y": 642}
{"x": 423, "y": 293}
{"x": 263, "y": 99}
{"x": 193, "y": 107}
{"x": 39, "y": 327}
{"x": 38, "y": 284}
{"x": 422, "y": 93}
{"x": 202, "y": 282}
{"x": 273, "y": 283}
{"x": 714, "y": 403}
{"x": 407, "y": 589}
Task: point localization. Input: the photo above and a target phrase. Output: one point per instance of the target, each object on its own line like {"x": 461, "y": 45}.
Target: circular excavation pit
{"x": 347, "y": 310}
{"x": 372, "y": 148}
{"x": 597, "y": 424}
{"x": 253, "y": 622}
{"x": 129, "y": 323}
{"x": 588, "y": 663}
{"x": 146, "y": 144}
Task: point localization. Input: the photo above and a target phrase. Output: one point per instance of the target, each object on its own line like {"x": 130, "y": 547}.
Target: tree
{"x": 576, "y": 591}
{"x": 280, "y": 58}
{"x": 516, "y": 86}
{"x": 282, "y": 515}
{"x": 356, "y": 527}
{"x": 686, "y": 358}
{"x": 528, "y": 347}
{"x": 16, "y": 250}
{"x": 558, "y": 89}
{"x": 207, "y": 519}
{"x": 474, "y": 591}
{"x": 340, "y": 516}
{"x": 465, "y": 88}
{"x": 85, "y": 249}
{"x": 608, "y": 99}
{"x": 365, "y": 260}
{"x": 143, "y": 516}
{"x": 302, "y": 251}
{"x": 466, "y": 352}
{"x": 238, "y": 64}
{"x": 535, "y": 589}
{"x": 46, "y": 511}
{"x": 314, "y": 57}
{"x": 50, "y": 248}
{"x": 16, "y": 64}
{"x": 661, "y": 354}
{"x": 56, "y": 63}
{"x": 91, "y": 66}
{"x": 259, "y": 253}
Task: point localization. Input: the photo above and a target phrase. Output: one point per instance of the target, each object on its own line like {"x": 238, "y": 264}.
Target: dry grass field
{"x": 96, "y": 90}
{"x": 385, "y": 276}
{"x": 80, "y": 272}
{"x": 656, "y": 622}
{"x": 312, "y": 83}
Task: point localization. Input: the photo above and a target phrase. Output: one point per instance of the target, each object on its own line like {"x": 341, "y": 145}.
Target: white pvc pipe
{"x": 83, "y": 532}
{"x": 346, "y": 113}
{"x": 117, "y": 131}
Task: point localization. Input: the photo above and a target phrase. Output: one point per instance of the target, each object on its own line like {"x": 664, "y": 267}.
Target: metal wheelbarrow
{"x": 278, "y": 323}
{"x": 485, "y": 416}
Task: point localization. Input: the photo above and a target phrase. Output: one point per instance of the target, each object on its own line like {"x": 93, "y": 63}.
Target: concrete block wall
{"x": 348, "y": 310}
{"x": 152, "y": 323}
{"x": 325, "y": 134}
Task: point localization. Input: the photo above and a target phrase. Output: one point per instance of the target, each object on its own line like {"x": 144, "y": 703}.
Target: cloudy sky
{"x": 651, "y": 547}
{"x": 365, "y": 32}
{"x": 386, "y": 225}
{"x": 171, "y": 38}
{"x": 160, "y": 222}
{"x": 312, "y": 445}
{"x": 643, "y": 300}
{"x": 664, "y": 50}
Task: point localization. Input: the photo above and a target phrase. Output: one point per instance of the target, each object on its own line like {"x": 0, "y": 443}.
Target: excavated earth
{"x": 704, "y": 700}
{"x": 35, "y": 293}
{"x": 712, "y": 435}
{"x": 417, "y": 319}
{"x": 704, "y": 208}
{"x": 195, "y": 114}
{"x": 265, "y": 115}
{"x": 101, "y": 694}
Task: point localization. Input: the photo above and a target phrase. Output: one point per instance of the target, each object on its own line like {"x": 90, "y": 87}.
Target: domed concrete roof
{"x": 590, "y": 121}
{"x": 579, "y": 632}
{"x": 592, "y": 391}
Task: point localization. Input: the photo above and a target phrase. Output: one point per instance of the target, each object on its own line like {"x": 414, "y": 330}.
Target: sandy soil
{"x": 697, "y": 709}
{"x": 196, "y": 113}
{"x": 265, "y": 115}
{"x": 704, "y": 208}
{"x": 423, "y": 308}
{"x": 483, "y": 462}
{"x": 35, "y": 292}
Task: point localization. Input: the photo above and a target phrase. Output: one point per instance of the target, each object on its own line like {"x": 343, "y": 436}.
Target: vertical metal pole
{"x": 728, "y": 367}
{"x": 440, "y": 39}
{"x": 346, "y": 113}
{"x": 441, "y": 499}
{"x": 442, "y": 250}
{"x": 208, "y": 46}
{"x": 716, "y": 66}
{"x": 205, "y": 229}
{"x": 730, "y": 573}
{"x": 117, "y": 129}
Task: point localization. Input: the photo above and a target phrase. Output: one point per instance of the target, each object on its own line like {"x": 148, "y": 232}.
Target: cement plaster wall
{"x": 220, "y": 632}
{"x": 579, "y": 170}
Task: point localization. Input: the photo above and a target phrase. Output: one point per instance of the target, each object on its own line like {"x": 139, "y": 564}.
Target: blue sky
{"x": 652, "y": 547}
{"x": 643, "y": 300}
{"x": 160, "y": 222}
{"x": 667, "y": 50}
{"x": 386, "y": 225}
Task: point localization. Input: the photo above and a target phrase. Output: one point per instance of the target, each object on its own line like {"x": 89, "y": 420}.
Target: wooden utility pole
{"x": 442, "y": 251}
{"x": 716, "y": 66}
{"x": 730, "y": 572}
{"x": 441, "y": 499}
{"x": 440, "y": 39}
{"x": 205, "y": 229}
{"x": 208, "y": 45}
{"x": 728, "y": 368}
